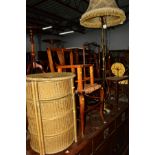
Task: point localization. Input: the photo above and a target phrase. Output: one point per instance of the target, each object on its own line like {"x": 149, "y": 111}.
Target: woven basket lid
{"x": 55, "y": 76}
{"x": 102, "y": 8}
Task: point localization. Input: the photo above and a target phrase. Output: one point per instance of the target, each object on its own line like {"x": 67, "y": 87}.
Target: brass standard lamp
{"x": 102, "y": 14}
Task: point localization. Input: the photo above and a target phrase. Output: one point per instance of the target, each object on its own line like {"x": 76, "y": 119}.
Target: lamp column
{"x": 103, "y": 47}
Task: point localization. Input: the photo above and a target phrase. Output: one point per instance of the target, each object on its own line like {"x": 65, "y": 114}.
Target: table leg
{"x": 82, "y": 105}
{"x": 117, "y": 94}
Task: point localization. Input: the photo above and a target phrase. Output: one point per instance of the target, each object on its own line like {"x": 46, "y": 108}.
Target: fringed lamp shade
{"x": 102, "y": 8}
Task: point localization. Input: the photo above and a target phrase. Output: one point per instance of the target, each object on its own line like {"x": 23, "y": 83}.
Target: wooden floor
{"x": 101, "y": 138}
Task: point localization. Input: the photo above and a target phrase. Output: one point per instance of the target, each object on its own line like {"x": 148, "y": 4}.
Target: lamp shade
{"x": 102, "y": 8}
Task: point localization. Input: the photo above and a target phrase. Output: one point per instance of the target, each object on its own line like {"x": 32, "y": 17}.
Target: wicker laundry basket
{"x": 51, "y": 111}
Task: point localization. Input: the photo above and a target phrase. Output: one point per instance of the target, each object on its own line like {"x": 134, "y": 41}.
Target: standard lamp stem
{"x": 103, "y": 46}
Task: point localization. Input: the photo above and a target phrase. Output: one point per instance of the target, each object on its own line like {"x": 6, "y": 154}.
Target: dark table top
{"x": 117, "y": 78}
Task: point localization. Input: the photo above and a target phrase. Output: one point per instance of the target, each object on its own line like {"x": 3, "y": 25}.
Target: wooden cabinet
{"x": 87, "y": 150}
{"x": 104, "y": 150}
{"x": 116, "y": 143}
{"x": 111, "y": 139}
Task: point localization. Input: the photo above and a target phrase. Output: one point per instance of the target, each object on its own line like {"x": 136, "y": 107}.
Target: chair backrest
{"x": 50, "y": 60}
{"x": 81, "y": 78}
{"x": 60, "y": 56}
{"x": 84, "y": 72}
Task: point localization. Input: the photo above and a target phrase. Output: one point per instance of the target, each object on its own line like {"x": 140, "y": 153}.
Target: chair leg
{"x": 101, "y": 103}
{"x": 82, "y": 104}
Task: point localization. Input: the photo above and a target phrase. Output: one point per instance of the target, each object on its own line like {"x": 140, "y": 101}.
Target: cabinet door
{"x": 119, "y": 139}
{"x": 113, "y": 145}
{"x": 104, "y": 150}
{"x": 86, "y": 150}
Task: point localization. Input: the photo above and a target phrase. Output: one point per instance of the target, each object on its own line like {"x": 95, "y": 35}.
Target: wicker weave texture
{"x": 48, "y": 90}
{"x": 54, "y": 144}
{"x": 55, "y": 100}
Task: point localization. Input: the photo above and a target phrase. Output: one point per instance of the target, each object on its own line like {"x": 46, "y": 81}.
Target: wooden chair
{"x": 84, "y": 84}
{"x": 60, "y": 54}
{"x": 86, "y": 87}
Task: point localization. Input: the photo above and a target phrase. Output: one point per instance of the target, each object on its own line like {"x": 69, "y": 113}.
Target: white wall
{"x": 39, "y": 45}
{"x": 118, "y": 37}
{"x": 77, "y": 39}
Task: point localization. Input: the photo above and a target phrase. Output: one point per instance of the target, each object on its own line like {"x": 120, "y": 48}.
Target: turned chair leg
{"x": 81, "y": 100}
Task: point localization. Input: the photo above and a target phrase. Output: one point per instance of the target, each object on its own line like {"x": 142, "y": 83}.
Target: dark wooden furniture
{"x": 88, "y": 54}
{"x": 121, "y": 56}
{"x": 93, "y": 56}
{"x": 84, "y": 83}
{"x": 59, "y": 56}
{"x": 102, "y": 139}
{"x": 43, "y": 59}
{"x": 32, "y": 66}
{"x": 86, "y": 87}
{"x": 116, "y": 80}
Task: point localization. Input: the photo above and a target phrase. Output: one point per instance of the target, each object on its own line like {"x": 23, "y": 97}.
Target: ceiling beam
{"x": 52, "y": 16}
{"x": 38, "y": 24}
{"x": 37, "y": 29}
{"x": 40, "y": 2}
{"x": 46, "y": 14}
{"x": 43, "y": 13}
{"x": 68, "y": 6}
{"x": 43, "y": 23}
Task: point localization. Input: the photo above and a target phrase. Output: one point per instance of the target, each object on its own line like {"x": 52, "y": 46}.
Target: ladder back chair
{"x": 85, "y": 86}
